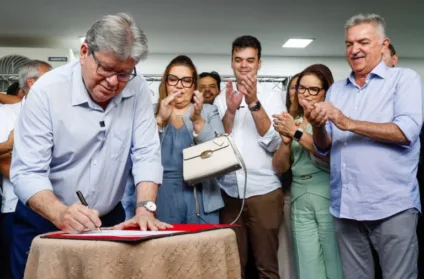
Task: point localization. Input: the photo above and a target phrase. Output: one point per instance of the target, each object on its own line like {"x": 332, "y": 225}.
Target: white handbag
{"x": 210, "y": 159}
{"x": 213, "y": 158}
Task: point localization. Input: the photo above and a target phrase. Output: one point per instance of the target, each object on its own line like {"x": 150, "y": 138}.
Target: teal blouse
{"x": 307, "y": 178}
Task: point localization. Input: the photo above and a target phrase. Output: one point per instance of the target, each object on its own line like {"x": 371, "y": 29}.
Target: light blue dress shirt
{"x": 60, "y": 144}
{"x": 370, "y": 179}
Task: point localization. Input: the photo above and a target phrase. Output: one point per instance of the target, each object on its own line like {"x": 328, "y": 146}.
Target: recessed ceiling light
{"x": 297, "y": 43}
{"x": 82, "y": 39}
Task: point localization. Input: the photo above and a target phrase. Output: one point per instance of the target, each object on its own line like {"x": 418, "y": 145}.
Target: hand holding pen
{"x": 84, "y": 202}
{"x": 77, "y": 218}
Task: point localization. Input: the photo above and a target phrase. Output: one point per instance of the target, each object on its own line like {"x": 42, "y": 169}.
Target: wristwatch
{"x": 149, "y": 205}
{"x": 298, "y": 134}
{"x": 255, "y": 107}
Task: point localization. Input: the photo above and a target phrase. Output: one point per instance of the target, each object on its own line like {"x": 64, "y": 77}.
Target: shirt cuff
{"x": 320, "y": 151}
{"x": 148, "y": 171}
{"x": 271, "y": 140}
{"x": 27, "y": 186}
{"x": 408, "y": 128}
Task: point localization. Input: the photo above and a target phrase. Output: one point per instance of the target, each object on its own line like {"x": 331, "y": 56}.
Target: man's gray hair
{"x": 119, "y": 35}
{"x": 31, "y": 69}
{"x": 375, "y": 19}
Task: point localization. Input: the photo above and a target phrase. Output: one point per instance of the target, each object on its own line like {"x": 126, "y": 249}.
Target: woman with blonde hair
{"x": 183, "y": 119}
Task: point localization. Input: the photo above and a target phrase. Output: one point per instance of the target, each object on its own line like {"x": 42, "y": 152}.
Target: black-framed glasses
{"x": 312, "y": 90}
{"x": 106, "y": 71}
{"x": 186, "y": 82}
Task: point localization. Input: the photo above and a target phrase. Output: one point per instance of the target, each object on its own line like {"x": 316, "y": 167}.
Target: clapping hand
{"x": 319, "y": 113}
{"x": 198, "y": 106}
{"x": 285, "y": 125}
{"x": 248, "y": 87}
{"x": 166, "y": 107}
{"x": 233, "y": 99}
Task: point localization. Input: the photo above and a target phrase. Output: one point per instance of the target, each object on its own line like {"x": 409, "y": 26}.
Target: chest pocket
{"x": 120, "y": 141}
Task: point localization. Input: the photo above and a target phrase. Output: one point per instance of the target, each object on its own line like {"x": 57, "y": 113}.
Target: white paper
{"x": 123, "y": 233}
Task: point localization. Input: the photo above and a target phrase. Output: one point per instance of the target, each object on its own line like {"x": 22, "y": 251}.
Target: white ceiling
{"x": 209, "y": 27}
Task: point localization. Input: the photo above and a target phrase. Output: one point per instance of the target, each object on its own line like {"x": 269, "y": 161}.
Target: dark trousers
{"x": 258, "y": 230}
{"x": 6, "y": 240}
{"x": 28, "y": 224}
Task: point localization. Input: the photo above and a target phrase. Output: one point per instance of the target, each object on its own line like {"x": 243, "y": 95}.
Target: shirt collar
{"x": 379, "y": 71}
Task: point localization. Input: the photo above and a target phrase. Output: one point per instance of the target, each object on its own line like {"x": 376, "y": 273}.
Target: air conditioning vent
{"x": 9, "y": 67}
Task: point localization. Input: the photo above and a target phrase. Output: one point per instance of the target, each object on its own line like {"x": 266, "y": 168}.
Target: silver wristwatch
{"x": 149, "y": 205}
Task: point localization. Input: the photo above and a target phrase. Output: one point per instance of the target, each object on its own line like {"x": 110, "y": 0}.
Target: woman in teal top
{"x": 315, "y": 242}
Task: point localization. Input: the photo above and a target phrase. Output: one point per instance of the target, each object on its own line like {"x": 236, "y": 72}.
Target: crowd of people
{"x": 344, "y": 155}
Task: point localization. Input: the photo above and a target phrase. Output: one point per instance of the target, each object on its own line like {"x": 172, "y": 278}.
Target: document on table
{"x": 124, "y": 233}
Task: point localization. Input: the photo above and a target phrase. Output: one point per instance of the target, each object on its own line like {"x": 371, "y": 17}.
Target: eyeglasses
{"x": 106, "y": 71}
{"x": 312, "y": 90}
{"x": 186, "y": 82}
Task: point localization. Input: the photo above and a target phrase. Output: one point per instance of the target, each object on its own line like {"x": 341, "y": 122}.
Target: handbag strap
{"x": 240, "y": 158}
{"x": 243, "y": 165}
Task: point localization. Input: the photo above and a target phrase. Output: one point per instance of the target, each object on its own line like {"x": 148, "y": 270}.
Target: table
{"x": 209, "y": 255}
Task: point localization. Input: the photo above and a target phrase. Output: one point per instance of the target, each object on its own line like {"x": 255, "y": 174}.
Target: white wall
{"x": 39, "y": 53}
{"x": 275, "y": 66}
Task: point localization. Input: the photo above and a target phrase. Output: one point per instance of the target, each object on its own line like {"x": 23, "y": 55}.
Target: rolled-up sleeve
{"x": 408, "y": 106}
{"x": 328, "y": 129}
{"x": 32, "y": 151}
{"x": 145, "y": 149}
{"x": 272, "y": 139}
{"x": 213, "y": 124}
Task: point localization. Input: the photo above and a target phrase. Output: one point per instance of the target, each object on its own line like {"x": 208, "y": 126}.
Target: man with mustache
{"x": 210, "y": 86}
{"x": 82, "y": 127}
{"x": 246, "y": 110}
{"x": 370, "y": 124}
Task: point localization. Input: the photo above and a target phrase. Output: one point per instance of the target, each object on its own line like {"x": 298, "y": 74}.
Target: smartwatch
{"x": 298, "y": 134}
{"x": 149, "y": 205}
{"x": 255, "y": 107}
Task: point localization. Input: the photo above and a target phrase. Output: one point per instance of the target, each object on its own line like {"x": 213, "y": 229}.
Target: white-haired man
{"x": 82, "y": 127}
{"x": 371, "y": 123}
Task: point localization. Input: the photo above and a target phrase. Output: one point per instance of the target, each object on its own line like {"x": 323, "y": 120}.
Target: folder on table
{"x": 135, "y": 235}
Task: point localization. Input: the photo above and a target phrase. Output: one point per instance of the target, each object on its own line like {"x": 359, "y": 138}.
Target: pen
{"x": 84, "y": 202}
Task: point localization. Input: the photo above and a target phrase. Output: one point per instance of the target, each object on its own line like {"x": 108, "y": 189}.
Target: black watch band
{"x": 298, "y": 134}
{"x": 255, "y": 107}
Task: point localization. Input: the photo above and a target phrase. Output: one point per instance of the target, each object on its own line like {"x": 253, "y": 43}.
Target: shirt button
{"x": 344, "y": 165}
{"x": 94, "y": 162}
{"x": 356, "y": 108}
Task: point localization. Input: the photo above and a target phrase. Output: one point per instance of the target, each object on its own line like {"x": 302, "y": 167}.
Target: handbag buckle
{"x": 206, "y": 154}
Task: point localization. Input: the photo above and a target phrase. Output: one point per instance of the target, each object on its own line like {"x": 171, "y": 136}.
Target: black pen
{"x": 84, "y": 202}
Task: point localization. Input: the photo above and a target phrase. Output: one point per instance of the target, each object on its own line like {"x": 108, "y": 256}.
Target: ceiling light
{"x": 297, "y": 43}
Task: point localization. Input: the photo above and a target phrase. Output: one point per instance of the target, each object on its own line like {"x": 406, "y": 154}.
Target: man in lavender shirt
{"x": 371, "y": 123}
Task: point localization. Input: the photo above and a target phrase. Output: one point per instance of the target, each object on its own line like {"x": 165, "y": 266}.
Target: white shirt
{"x": 8, "y": 115}
{"x": 256, "y": 151}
